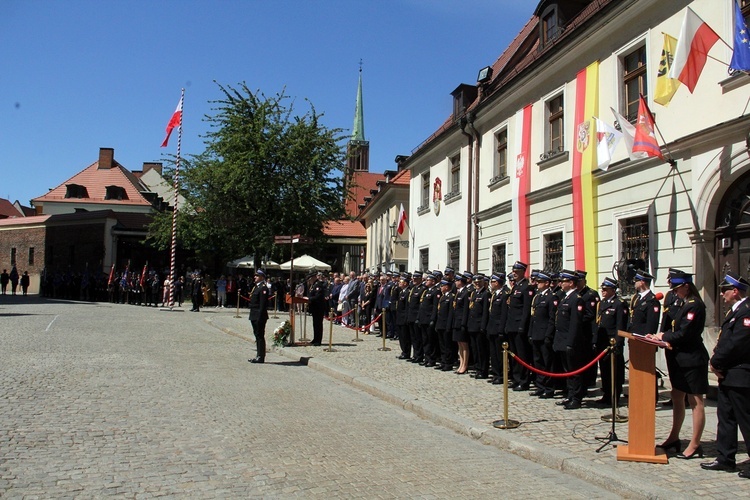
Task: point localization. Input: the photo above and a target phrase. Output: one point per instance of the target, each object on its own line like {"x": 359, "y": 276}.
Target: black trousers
{"x": 447, "y": 347}
{"x": 519, "y": 344}
{"x": 259, "y": 330}
{"x": 404, "y": 340}
{"x": 543, "y": 357}
{"x": 733, "y": 410}
{"x": 496, "y": 355}
{"x": 481, "y": 351}
{"x": 430, "y": 344}
{"x": 317, "y": 321}
{"x": 576, "y": 386}
{"x": 416, "y": 341}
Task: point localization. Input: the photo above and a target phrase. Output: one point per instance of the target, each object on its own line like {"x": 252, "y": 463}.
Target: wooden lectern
{"x": 642, "y": 402}
{"x": 292, "y": 301}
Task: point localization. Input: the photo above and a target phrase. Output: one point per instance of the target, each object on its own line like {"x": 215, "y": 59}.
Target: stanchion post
{"x": 356, "y": 330}
{"x": 505, "y": 423}
{"x": 330, "y": 348}
{"x": 384, "y": 326}
{"x": 614, "y": 417}
{"x": 304, "y": 323}
{"x": 237, "y": 314}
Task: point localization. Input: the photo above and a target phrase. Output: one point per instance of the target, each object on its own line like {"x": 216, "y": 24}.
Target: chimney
{"x": 152, "y": 166}
{"x": 106, "y": 158}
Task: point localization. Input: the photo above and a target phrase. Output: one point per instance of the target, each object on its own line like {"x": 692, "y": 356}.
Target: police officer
{"x": 517, "y": 324}
{"x": 392, "y": 303}
{"x": 317, "y": 305}
{"x": 494, "y": 325}
{"x": 415, "y": 295}
{"x": 427, "y": 312}
{"x": 475, "y": 325}
{"x": 569, "y": 338}
{"x": 644, "y": 308}
{"x": 402, "y": 316}
{"x": 671, "y": 304}
{"x": 542, "y": 332}
{"x": 460, "y": 317}
{"x": 443, "y": 326}
{"x": 259, "y": 315}
{"x": 611, "y": 316}
{"x": 590, "y": 300}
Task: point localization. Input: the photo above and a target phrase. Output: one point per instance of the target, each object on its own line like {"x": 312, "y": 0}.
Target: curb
{"x": 618, "y": 482}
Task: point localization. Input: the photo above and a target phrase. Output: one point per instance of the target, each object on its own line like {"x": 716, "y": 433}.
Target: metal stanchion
{"x": 330, "y": 332}
{"x": 237, "y": 314}
{"x": 304, "y": 324}
{"x": 505, "y": 423}
{"x": 384, "y": 327}
{"x": 356, "y": 329}
{"x": 614, "y": 416}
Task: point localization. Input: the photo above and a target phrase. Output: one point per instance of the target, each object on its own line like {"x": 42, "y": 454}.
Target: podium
{"x": 642, "y": 402}
{"x": 292, "y": 300}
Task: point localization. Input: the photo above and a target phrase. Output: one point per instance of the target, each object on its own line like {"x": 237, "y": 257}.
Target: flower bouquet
{"x": 281, "y": 334}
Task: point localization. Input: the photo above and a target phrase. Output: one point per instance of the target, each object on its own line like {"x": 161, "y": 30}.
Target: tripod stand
{"x": 614, "y": 417}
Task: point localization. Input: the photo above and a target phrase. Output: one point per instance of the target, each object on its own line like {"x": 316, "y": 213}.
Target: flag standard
{"x": 741, "y": 52}
{"x": 584, "y": 161}
{"x": 522, "y": 185}
{"x": 143, "y": 275}
{"x": 174, "y": 121}
{"x": 665, "y": 86}
{"x": 607, "y": 139}
{"x": 111, "y": 275}
{"x": 695, "y": 40}
{"x": 401, "y": 220}
{"x": 645, "y": 138}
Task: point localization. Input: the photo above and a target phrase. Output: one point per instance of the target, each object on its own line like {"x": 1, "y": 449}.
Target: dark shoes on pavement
{"x": 716, "y": 465}
{"x": 257, "y": 360}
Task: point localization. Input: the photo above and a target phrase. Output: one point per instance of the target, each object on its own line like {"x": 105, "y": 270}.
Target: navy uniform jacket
{"x": 543, "y": 310}
{"x": 402, "y": 306}
{"x": 428, "y": 304}
{"x": 672, "y": 304}
{"x": 415, "y": 294}
{"x": 590, "y": 300}
{"x": 732, "y": 352}
{"x": 519, "y": 307}
{"x": 443, "y": 312}
{"x": 460, "y": 308}
{"x": 259, "y": 302}
{"x": 568, "y": 323}
{"x": 612, "y": 316}
{"x": 395, "y": 292}
{"x": 317, "y": 296}
{"x": 478, "y": 304}
{"x": 644, "y": 314}
{"x": 497, "y": 312}
{"x": 686, "y": 337}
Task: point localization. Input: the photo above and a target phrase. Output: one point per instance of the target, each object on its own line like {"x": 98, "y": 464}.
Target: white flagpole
{"x": 175, "y": 209}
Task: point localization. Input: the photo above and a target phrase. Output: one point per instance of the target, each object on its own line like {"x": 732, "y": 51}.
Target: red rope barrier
{"x": 365, "y": 327}
{"x": 336, "y": 318}
{"x": 561, "y": 375}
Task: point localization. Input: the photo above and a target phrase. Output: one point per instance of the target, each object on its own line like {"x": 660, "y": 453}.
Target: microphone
{"x": 659, "y": 295}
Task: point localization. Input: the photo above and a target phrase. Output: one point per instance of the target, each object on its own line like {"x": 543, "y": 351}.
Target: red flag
{"x": 645, "y": 138}
{"x": 111, "y": 275}
{"x": 695, "y": 40}
{"x": 401, "y": 220}
{"x": 143, "y": 274}
{"x": 175, "y": 121}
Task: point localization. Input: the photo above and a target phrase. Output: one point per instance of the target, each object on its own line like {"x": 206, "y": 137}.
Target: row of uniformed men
{"x": 553, "y": 321}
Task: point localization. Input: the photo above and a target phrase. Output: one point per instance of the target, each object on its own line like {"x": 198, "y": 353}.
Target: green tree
{"x": 265, "y": 171}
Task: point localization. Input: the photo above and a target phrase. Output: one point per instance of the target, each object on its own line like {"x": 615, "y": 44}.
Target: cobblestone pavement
{"x": 100, "y": 400}
{"x": 548, "y": 434}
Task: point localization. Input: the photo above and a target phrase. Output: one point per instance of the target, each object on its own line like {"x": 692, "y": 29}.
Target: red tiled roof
{"x": 20, "y": 221}
{"x": 344, "y": 228}
{"x": 361, "y": 184}
{"x": 95, "y": 180}
{"x": 8, "y": 210}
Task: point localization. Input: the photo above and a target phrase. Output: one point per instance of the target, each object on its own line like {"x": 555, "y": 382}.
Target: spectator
{"x": 25, "y": 282}
{"x": 13, "y": 279}
{"x": 4, "y": 280}
{"x": 221, "y": 292}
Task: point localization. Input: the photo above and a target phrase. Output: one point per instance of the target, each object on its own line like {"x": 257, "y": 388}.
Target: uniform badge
{"x": 690, "y": 316}
{"x": 580, "y": 308}
{"x": 746, "y": 321}
{"x": 531, "y": 292}
{"x": 554, "y": 302}
{"x": 593, "y": 304}
{"x": 656, "y": 310}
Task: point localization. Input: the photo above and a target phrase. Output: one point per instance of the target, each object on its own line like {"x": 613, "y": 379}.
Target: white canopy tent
{"x": 305, "y": 263}
{"x": 248, "y": 262}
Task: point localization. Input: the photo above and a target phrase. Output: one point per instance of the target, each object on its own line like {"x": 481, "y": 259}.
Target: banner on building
{"x": 521, "y": 183}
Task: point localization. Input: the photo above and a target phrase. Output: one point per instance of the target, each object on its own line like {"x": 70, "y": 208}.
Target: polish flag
{"x": 401, "y": 220}
{"x": 695, "y": 40}
{"x": 175, "y": 121}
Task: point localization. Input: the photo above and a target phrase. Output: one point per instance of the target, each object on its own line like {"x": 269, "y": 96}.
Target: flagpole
{"x": 175, "y": 210}
{"x": 671, "y": 159}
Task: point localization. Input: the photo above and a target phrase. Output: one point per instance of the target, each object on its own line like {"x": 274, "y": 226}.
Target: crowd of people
{"x": 14, "y": 280}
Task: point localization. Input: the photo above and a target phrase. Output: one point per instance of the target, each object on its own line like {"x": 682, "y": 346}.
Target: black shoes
{"x": 446, "y": 368}
{"x": 744, "y": 474}
{"x": 403, "y": 356}
{"x": 257, "y": 360}
{"x": 675, "y": 445}
{"x": 572, "y": 405}
{"x": 698, "y": 453}
{"x": 716, "y": 465}
{"x": 537, "y": 393}
{"x": 547, "y": 395}
{"x": 563, "y": 402}
{"x": 521, "y": 387}
{"x": 481, "y": 376}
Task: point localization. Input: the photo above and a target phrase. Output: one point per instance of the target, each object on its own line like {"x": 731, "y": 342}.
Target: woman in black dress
{"x": 687, "y": 362}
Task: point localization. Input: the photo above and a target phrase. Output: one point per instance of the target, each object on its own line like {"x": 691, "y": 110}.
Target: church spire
{"x": 358, "y": 131}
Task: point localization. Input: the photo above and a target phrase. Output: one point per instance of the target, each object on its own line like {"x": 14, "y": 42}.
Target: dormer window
{"x": 76, "y": 191}
{"x": 463, "y": 96}
{"x": 554, "y": 16}
{"x": 115, "y": 193}
{"x": 550, "y": 25}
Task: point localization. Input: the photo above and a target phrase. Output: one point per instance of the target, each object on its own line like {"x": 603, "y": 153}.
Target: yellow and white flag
{"x": 665, "y": 86}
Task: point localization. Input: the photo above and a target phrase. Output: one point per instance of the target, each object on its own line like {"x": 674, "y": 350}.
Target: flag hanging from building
{"x": 665, "y": 86}
{"x": 401, "y": 220}
{"x": 174, "y": 121}
{"x": 741, "y": 52}
{"x": 695, "y": 40}
{"x": 628, "y": 135}
{"x": 645, "y": 137}
{"x": 607, "y": 139}
{"x": 584, "y": 162}
{"x": 521, "y": 184}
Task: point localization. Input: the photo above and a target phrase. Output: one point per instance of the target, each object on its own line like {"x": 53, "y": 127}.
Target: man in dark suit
{"x": 427, "y": 310}
{"x": 612, "y": 315}
{"x": 542, "y": 332}
{"x": 517, "y": 325}
{"x": 494, "y": 324}
{"x": 731, "y": 364}
{"x": 479, "y": 300}
{"x": 415, "y": 296}
{"x": 259, "y": 315}
{"x": 569, "y": 338}
{"x": 317, "y": 305}
{"x": 644, "y": 308}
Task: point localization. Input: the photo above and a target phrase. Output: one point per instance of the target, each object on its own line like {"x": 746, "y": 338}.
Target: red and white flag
{"x": 401, "y": 220}
{"x": 645, "y": 138}
{"x": 695, "y": 40}
{"x": 175, "y": 121}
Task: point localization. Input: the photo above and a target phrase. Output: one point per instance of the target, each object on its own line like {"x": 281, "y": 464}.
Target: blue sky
{"x": 79, "y": 75}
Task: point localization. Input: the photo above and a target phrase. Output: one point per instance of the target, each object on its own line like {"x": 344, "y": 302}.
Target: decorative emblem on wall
{"x": 437, "y": 195}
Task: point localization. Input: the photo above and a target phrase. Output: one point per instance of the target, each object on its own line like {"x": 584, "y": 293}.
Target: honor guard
{"x": 427, "y": 313}
{"x": 259, "y": 315}
{"x": 542, "y": 332}
{"x": 569, "y": 338}
{"x": 517, "y": 325}
{"x": 611, "y": 317}
{"x": 497, "y": 313}
{"x": 402, "y": 316}
{"x": 671, "y": 304}
{"x": 415, "y": 296}
{"x": 644, "y": 307}
{"x": 478, "y": 307}
{"x": 590, "y": 300}
{"x": 443, "y": 326}
{"x": 460, "y": 318}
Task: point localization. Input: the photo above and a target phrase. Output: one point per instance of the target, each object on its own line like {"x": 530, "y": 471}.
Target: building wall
{"x": 23, "y": 239}
{"x": 75, "y": 247}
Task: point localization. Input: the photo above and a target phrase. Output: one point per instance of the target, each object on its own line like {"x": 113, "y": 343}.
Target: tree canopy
{"x": 265, "y": 171}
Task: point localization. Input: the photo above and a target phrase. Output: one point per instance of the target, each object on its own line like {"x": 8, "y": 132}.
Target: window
{"x": 455, "y": 174}
{"x": 31, "y": 256}
{"x": 424, "y": 203}
{"x": 115, "y": 193}
{"x": 498, "y": 258}
{"x": 634, "y": 81}
{"x": 553, "y": 252}
{"x": 555, "y": 126}
{"x": 76, "y": 191}
{"x": 424, "y": 259}
{"x": 550, "y": 25}
{"x": 500, "y": 170}
{"x": 634, "y": 247}
{"x": 13, "y": 256}
{"x": 454, "y": 254}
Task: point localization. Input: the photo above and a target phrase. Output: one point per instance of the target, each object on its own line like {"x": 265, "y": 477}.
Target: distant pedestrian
{"x": 25, "y": 282}
{"x": 14, "y": 279}
{"x": 4, "y": 280}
